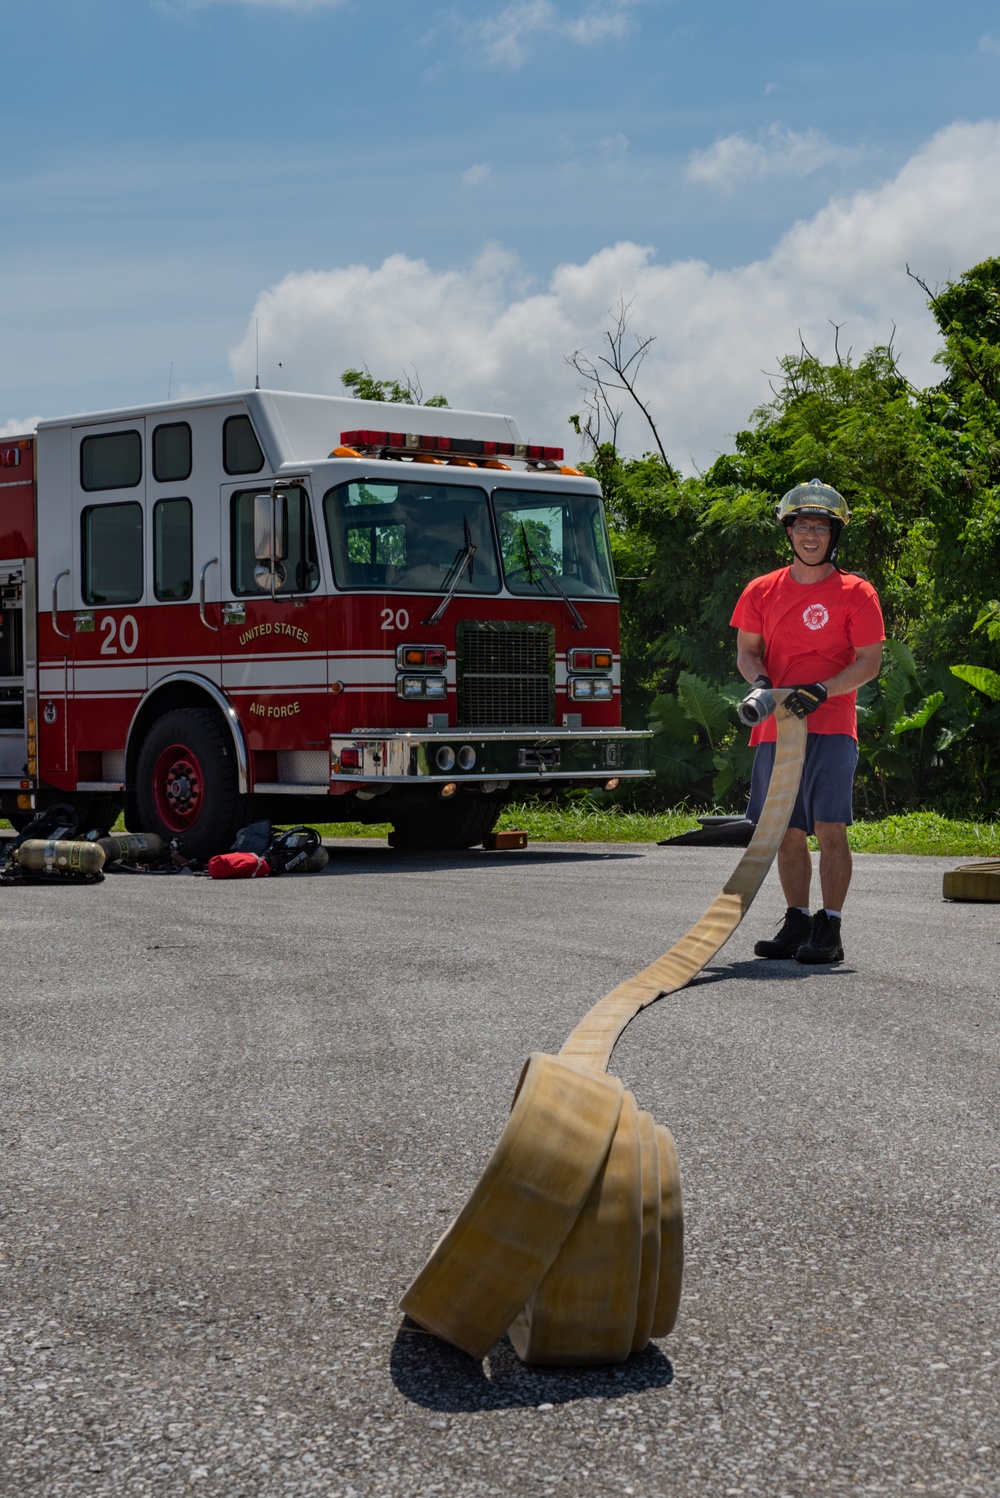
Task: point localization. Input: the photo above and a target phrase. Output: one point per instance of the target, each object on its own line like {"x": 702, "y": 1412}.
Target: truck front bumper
{"x": 489, "y": 758}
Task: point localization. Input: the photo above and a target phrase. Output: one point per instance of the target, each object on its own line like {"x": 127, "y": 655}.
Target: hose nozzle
{"x": 756, "y": 706}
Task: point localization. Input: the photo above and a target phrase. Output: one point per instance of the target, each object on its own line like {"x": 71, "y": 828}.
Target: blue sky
{"x": 174, "y": 169}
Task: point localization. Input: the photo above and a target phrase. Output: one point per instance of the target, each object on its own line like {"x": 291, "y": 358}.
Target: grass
{"x": 914, "y": 832}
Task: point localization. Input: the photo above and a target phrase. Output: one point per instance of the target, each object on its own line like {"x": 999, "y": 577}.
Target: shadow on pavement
{"x": 396, "y": 861}
{"x": 770, "y": 970}
{"x": 438, "y": 1376}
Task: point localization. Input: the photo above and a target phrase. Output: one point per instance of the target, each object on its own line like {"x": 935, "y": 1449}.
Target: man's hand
{"x": 763, "y": 681}
{"x": 805, "y": 700}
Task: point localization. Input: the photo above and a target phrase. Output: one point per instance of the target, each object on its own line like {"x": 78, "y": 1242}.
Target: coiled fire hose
{"x": 572, "y": 1240}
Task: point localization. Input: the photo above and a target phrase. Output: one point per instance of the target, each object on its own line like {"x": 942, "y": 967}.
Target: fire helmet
{"x": 815, "y": 498}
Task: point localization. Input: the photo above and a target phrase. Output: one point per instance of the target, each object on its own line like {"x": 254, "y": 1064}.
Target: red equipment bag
{"x": 238, "y": 866}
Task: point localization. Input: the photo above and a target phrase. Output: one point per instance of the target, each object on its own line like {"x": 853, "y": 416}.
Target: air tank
{"x": 144, "y": 846}
{"x": 60, "y": 856}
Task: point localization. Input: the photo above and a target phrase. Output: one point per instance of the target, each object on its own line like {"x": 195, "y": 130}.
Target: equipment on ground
{"x": 573, "y": 1238}
{"x": 974, "y": 881}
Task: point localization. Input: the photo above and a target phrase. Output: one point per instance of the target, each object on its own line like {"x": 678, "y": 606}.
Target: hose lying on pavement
{"x": 573, "y": 1237}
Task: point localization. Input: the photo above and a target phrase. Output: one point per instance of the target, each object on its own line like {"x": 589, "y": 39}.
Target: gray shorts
{"x": 825, "y": 792}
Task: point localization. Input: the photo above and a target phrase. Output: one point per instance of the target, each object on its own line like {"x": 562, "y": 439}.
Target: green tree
{"x": 364, "y": 387}
{"x": 921, "y": 472}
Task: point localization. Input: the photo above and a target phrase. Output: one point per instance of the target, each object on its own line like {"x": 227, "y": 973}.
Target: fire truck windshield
{"x": 546, "y": 537}
{"x": 410, "y": 537}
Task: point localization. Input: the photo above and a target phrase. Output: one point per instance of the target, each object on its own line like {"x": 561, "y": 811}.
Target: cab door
{"x": 183, "y": 547}
{"x": 274, "y": 640}
{"x": 108, "y": 644}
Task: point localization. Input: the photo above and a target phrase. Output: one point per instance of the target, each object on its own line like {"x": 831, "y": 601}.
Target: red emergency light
{"x": 10, "y": 457}
{"x": 412, "y": 443}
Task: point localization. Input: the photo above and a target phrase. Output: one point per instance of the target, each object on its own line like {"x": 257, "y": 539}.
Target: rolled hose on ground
{"x": 973, "y": 881}
{"x": 572, "y": 1240}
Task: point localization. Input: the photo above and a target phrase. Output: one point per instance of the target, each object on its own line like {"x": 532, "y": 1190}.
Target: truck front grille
{"x": 505, "y": 674}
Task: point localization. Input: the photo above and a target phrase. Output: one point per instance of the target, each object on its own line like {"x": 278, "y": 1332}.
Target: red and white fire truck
{"x": 271, "y": 604}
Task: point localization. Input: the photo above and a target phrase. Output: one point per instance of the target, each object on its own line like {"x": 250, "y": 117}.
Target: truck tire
{"x": 462, "y": 823}
{"x": 186, "y": 783}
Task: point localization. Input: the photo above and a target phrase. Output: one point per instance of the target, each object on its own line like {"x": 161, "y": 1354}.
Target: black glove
{"x": 763, "y": 681}
{"x": 805, "y": 700}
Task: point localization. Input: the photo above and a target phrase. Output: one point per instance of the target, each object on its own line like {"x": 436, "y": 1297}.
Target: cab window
{"x": 301, "y": 564}
{"x": 111, "y": 460}
{"x": 172, "y": 452}
{"x": 240, "y": 449}
{"x": 173, "y": 571}
{"x": 112, "y": 553}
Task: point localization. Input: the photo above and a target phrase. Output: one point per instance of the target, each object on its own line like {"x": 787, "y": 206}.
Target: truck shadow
{"x": 344, "y": 859}
{"x": 437, "y": 1376}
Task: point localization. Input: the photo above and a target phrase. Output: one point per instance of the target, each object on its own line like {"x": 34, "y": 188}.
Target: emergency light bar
{"x": 457, "y": 447}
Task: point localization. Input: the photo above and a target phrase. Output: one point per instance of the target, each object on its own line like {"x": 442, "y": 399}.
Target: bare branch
{"x": 622, "y": 372}
{"x": 836, "y": 326}
{"x": 953, "y": 326}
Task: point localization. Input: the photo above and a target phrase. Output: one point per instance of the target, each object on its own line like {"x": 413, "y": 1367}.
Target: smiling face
{"x": 810, "y": 538}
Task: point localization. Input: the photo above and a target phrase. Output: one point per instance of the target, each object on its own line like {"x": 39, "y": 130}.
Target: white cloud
{"x": 507, "y": 37}
{"x": 989, "y": 43}
{"x": 16, "y": 427}
{"x": 613, "y": 148}
{"x": 596, "y": 25}
{"x": 473, "y": 175}
{"x": 775, "y": 152}
{"x": 492, "y": 342}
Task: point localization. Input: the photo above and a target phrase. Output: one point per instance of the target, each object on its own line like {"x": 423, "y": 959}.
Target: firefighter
{"x": 816, "y": 629}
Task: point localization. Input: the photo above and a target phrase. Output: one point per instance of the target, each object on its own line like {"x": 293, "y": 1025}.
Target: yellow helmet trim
{"x": 814, "y": 498}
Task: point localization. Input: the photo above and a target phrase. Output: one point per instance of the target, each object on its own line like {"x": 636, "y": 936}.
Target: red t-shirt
{"x": 811, "y": 631}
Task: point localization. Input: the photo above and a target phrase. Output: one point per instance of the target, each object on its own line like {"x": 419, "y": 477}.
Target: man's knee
{"x": 794, "y": 840}
{"x": 831, "y": 834}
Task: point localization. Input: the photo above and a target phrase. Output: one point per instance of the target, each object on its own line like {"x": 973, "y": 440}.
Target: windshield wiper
{"x": 532, "y": 556}
{"x": 464, "y": 561}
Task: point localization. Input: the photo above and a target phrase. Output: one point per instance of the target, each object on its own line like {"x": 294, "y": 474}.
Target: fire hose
{"x": 572, "y": 1240}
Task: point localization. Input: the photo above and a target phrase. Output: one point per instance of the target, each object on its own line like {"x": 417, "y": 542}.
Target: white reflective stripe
{"x": 107, "y": 679}
{"x": 285, "y": 691}
{"x": 272, "y": 672}
{"x": 209, "y": 669}
{"x": 198, "y": 662}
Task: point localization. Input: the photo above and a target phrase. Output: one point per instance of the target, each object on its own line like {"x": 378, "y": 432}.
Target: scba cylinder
{"x": 119, "y": 846}
{"x": 60, "y": 856}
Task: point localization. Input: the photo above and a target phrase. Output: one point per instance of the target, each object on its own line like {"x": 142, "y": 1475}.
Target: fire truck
{"x": 270, "y": 604}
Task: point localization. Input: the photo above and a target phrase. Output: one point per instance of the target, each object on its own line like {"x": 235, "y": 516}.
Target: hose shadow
{"x": 437, "y": 1376}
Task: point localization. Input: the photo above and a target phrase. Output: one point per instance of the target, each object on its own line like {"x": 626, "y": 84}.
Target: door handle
{"x": 212, "y": 562}
{"x": 55, "y": 603}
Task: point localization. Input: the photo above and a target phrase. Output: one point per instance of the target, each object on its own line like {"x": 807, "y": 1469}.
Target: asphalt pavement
{"x": 235, "y": 1118}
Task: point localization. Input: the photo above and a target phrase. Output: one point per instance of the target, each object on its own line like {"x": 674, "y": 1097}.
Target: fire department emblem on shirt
{"x": 815, "y": 616}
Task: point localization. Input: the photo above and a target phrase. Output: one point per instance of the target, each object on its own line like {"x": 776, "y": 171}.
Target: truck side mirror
{"x": 270, "y": 526}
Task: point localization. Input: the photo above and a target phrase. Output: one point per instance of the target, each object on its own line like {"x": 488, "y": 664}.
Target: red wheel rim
{"x": 178, "y": 788}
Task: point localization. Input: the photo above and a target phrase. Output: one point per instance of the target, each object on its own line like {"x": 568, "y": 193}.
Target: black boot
{"x": 794, "y": 930}
{"x": 824, "y": 945}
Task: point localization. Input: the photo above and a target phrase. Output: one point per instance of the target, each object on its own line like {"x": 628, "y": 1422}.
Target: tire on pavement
{"x": 187, "y": 785}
